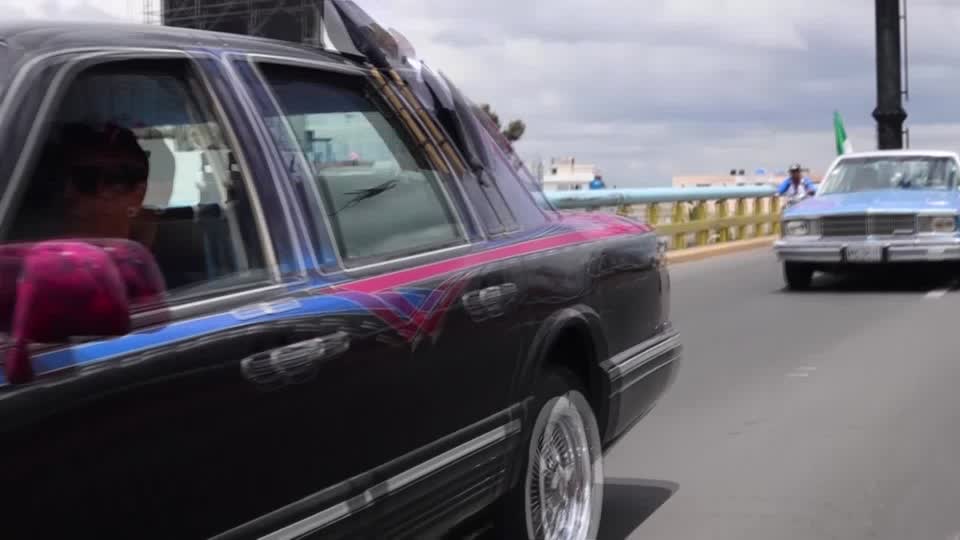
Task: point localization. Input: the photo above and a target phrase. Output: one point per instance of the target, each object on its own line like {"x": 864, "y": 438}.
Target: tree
{"x": 493, "y": 116}
{"x": 515, "y": 128}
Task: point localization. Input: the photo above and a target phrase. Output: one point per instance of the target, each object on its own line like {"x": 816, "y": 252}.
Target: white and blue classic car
{"x": 874, "y": 208}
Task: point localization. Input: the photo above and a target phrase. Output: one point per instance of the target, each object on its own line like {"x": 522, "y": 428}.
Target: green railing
{"x": 688, "y": 216}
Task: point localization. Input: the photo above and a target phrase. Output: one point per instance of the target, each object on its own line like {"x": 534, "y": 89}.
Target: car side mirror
{"x": 68, "y": 289}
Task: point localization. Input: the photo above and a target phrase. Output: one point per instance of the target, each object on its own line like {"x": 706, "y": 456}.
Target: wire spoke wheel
{"x": 563, "y": 485}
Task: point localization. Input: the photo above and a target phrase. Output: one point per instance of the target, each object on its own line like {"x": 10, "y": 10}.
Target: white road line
{"x": 806, "y": 368}
{"x": 798, "y": 374}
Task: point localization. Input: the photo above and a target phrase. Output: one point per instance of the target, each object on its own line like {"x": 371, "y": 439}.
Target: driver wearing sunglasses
{"x": 106, "y": 180}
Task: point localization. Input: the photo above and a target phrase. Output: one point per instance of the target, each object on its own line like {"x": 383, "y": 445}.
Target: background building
{"x": 288, "y": 20}
{"x": 562, "y": 174}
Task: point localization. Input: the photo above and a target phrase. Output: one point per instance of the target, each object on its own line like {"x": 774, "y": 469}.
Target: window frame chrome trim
{"x": 263, "y": 227}
{"x": 302, "y": 160}
{"x": 360, "y": 72}
{"x": 474, "y": 215}
{"x": 296, "y": 220}
{"x": 403, "y": 260}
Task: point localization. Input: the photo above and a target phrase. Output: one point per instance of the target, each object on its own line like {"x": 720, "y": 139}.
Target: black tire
{"x": 559, "y": 399}
{"x": 797, "y": 275}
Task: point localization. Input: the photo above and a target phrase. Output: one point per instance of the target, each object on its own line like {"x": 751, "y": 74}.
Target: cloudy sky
{"x": 648, "y": 89}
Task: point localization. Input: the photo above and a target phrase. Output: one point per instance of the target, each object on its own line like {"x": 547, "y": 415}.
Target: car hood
{"x": 888, "y": 200}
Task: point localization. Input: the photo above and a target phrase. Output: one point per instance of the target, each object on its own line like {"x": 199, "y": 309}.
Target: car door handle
{"x": 296, "y": 363}
{"x": 490, "y": 302}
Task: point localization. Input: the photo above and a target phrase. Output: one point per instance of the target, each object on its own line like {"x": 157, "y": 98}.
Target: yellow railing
{"x": 688, "y": 216}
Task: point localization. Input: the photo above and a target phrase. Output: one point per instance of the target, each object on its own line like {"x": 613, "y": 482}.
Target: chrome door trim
{"x": 635, "y": 357}
{"x": 357, "y": 503}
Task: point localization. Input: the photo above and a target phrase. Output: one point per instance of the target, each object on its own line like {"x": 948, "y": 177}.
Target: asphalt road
{"x": 833, "y": 413}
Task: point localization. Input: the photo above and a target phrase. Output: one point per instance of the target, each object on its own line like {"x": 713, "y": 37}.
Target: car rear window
{"x": 381, "y": 198}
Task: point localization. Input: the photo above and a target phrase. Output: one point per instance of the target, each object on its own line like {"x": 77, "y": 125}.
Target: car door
{"x": 403, "y": 249}
{"x": 231, "y": 408}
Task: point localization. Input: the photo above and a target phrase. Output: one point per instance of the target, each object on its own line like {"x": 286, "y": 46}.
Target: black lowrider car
{"x": 254, "y": 289}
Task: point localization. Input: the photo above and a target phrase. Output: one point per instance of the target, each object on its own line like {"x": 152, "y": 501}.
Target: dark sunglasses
{"x": 88, "y": 179}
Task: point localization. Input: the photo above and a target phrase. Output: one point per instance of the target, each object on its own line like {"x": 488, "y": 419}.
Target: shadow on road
{"x": 890, "y": 279}
{"x": 627, "y": 503}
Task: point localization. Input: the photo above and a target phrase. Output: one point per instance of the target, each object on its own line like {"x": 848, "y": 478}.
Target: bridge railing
{"x": 688, "y": 216}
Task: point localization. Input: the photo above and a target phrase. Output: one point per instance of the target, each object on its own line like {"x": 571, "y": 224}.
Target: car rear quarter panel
{"x": 610, "y": 288}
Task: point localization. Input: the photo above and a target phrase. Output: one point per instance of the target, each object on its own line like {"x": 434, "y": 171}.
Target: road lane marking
{"x": 801, "y": 371}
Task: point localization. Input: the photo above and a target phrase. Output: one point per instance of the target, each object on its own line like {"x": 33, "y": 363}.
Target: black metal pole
{"x": 889, "y": 113}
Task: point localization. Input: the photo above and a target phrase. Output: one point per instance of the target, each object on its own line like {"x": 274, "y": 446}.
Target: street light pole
{"x": 889, "y": 113}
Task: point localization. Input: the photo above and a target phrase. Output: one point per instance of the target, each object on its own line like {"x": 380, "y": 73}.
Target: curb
{"x": 705, "y": 252}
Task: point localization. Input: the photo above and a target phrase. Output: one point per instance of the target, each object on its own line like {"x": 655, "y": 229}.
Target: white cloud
{"x": 651, "y": 88}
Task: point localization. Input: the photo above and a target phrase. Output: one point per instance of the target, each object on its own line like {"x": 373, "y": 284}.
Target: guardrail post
{"x": 723, "y": 212}
{"x": 758, "y": 211}
{"x": 624, "y": 210}
{"x": 679, "y": 239}
{"x": 741, "y": 212}
{"x": 653, "y": 213}
{"x": 775, "y": 214}
{"x": 700, "y": 217}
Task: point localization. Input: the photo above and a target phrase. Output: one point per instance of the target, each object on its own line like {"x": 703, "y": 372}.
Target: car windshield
{"x": 908, "y": 172}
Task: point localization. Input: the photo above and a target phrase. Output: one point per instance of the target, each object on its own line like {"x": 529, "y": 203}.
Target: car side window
{"x": 380, "y": 198}
{"x": 134, "y": 151}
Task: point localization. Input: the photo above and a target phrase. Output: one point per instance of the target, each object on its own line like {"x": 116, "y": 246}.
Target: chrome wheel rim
{"x": 562, "y": 475}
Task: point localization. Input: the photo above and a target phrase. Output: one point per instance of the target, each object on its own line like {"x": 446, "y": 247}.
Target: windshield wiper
{"x": 361, "y": 195}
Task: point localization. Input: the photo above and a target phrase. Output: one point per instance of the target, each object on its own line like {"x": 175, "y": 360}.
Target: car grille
{"x": 881, "y": 224}
{"x": 890, "y": 224}
{"x": 844, "y": 226}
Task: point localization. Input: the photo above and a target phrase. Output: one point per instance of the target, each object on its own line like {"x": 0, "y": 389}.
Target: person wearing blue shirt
{"x": 793, "y": 184}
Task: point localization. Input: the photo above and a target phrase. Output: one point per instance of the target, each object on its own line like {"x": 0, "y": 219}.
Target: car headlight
{"x": 797, "y": 228}
{"x": 939, "y": 224}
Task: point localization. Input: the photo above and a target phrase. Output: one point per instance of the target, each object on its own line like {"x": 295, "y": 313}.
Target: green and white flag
{"x": 843, "y": 144}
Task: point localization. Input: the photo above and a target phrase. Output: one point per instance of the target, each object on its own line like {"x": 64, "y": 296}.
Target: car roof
{"x": 901, "y": 153}
{"x": 26, "y": 38}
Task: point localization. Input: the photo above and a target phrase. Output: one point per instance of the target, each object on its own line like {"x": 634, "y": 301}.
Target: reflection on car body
{"x": 875, "y": 208}
{"x": 345, "y": 316}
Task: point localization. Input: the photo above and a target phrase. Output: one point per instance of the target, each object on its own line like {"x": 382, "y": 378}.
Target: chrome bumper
{"x": 914, "y": 249}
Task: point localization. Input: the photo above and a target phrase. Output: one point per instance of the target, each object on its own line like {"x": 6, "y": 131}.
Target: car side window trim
{"x": 458, "y": 181}
{"x": 88, "y": 58}
{"x": 464, "y": 201}
{"x": 293, "y": 214}
{"x": 304, "y": 168}
{"x": 256, "y": 61}
{"x": 253, "y": 192}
